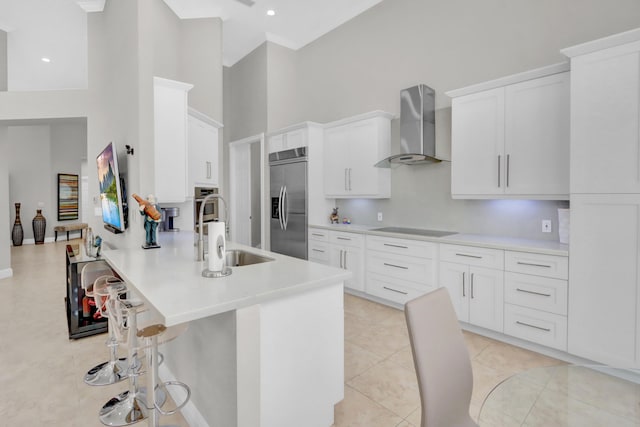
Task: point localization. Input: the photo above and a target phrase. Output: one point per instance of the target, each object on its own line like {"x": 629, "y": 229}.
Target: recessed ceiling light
{"x": 271, "y": 12}
{"x": 45, "y": 59}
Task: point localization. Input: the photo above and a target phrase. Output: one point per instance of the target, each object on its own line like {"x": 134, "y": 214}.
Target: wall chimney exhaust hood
{"x": 417, "y": 128}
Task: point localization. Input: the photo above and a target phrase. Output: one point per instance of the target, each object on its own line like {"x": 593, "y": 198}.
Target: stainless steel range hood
{"x": 417, "y": 128}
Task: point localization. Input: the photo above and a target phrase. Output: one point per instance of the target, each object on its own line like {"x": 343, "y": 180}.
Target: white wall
{"x": 5, "y": 207}
{"x": 3, "y": 60}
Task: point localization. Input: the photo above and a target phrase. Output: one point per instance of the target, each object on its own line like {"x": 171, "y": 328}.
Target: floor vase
{"x": 39, "y": 224}
{"x": 17, "y": 233}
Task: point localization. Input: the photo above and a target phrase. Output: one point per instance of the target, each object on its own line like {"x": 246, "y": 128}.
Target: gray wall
{"x": 36, "y": 154}
{"x": 5, "y": 206}
{"x": 3, "y": 61}
{"x": 283, "y": 98}
{"x": 363, "y": 64}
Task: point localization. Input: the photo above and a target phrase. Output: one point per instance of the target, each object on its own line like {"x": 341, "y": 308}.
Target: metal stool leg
{"x": 112, "y": 371}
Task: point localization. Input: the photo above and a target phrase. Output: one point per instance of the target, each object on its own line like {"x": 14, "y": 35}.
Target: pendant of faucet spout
{"x": 200, "y": 254}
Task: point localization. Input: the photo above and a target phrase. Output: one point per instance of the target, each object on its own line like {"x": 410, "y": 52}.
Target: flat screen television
{"x": 112, "y": 192}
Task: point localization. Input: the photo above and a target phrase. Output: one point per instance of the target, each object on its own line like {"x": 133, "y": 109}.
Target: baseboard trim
{"x": 33, "y": 241}
{"x": 6, "y": 273}
{"x": 190, "y": 413}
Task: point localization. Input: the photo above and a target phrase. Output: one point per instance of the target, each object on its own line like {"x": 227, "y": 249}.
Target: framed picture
{"x": 67, "y": 196}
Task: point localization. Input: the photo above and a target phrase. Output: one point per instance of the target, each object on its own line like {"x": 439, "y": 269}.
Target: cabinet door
{"x": 336, "y": 161}
{"x": 605, "y": 143}
{"x": 362, "y": 175}
{"x": 537, "y": 137}
{"x": 604, "y": 266}
{"x": 295, "y": 139}
{"x": 486, "y": 298}
{"x": 170, "y": 144}
{"x": 203, "y": 153}
{"x": 276, "y": 143}
{"x": 354, "y": 262}
{"x": 477, "y": 144}
{"x": 455, "y": 277}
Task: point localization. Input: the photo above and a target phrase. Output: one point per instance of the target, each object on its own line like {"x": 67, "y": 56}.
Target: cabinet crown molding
{"x": 508, "y": 80}
{"x": 160, "y": 81}
{"x": 602, "y": 43}
{"x": 203, "y": 117}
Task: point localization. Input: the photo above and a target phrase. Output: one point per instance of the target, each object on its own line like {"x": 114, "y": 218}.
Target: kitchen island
{"x": 264, "y": 345}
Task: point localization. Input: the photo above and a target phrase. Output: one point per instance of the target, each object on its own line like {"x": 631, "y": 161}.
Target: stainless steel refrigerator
{"x": 288, "y": 171}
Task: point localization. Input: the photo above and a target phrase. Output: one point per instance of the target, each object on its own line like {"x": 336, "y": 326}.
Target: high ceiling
{"x": 295, "y": 23}
{"x": 57, "y": 29}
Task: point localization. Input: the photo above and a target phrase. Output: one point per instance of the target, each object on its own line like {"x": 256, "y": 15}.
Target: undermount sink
{"x": 240, "y": 258}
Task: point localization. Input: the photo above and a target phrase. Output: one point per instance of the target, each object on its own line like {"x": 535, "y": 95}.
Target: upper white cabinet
{"x": 287, "y": 139}
{"x": 605, "y": 116}
{"x": 510, "y": 137}
{"x": 170, "y": 140}
{"x": 204, "y": 167}
{"x": 352, "y": 147}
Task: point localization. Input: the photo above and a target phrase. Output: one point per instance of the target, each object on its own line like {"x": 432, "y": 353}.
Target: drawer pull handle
{"x": 533, "y": 292}
{"x": 317, "y": 250}
{"x": 469, "y": 256}
{"x": 343, "y": 238}
{"x": 396, "y": 246}
{"x": 395, "y": 290}
{"x": 533, "y": 326}
{"x": 317, "y": 234}
{"x": 534, "y": 265}
{"x": 396, "y": 266}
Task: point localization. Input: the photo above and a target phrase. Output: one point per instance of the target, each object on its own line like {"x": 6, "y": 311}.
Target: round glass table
{"x": 566, "y": 395}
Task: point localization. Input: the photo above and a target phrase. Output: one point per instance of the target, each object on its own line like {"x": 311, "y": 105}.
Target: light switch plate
{"x": 546, "y": 226}
{"x": 379, "y": 216}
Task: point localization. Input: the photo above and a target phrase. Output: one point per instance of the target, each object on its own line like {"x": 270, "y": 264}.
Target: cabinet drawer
{"x": 346, "y": 239}
{"x": 319, "y": 252}
{"x": 540, "y": 293}
{"x": 318, "y": 234}
{"x": 538, "y": 264}
{"x": 398, "y": 291}
{"x": 418, "y": 270}
{"x": 536, "y": 326}
{"x": 402, "y": 246}
{"x": 471, "y": 255}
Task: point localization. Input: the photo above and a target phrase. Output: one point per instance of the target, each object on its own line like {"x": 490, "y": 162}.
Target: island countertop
{"x": 170, "y": 280}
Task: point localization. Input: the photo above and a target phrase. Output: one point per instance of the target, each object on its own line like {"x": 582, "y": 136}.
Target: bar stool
{"x": 97, "y": 281}
{"x": 136, "y": 403}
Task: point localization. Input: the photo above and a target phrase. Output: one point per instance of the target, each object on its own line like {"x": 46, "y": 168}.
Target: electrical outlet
{"x": 546, "y": 226}
{"x": 379, "y": 216}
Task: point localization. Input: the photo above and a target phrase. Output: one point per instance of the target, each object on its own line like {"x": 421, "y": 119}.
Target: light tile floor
{"x": 41, "y": 369}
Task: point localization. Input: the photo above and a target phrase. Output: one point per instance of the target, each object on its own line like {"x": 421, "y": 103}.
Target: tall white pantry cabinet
{"x": 604, "y": 266}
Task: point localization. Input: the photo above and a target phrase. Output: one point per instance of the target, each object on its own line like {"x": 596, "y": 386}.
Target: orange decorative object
{"x": 149, "y": 209}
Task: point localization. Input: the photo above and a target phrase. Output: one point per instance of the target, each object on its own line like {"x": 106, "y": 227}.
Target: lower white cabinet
{"x": 339, "y": 249}
{"x": 604, "y": 320}
{"x": 535, "y": 325}
{"x": 475, "y": 280}
{"x": 399, "y": 270}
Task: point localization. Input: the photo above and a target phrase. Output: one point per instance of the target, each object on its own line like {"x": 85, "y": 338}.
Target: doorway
{"x": 247, "y": 188}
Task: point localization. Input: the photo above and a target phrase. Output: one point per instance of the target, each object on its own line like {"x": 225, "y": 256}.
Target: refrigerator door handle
{"x": 280, "y": 209}
{"x": 285, "y": 203}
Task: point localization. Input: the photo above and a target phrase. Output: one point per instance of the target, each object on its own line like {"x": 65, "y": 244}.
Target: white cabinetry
{"x": 536, "y": 298}
{"x": 352, "y": 147}
{"x": 287, "y": 139}
{"x": 474, "y": 278}
{"x": 203, "y": 151}
{"x": 510, "y": 137}
{"x": 346, "y": 251}
{"x": 604, "y": 302}
{"x": 605, "y": 264}
{"x": 170, "y": 140}
{"x": 399, "y": 270}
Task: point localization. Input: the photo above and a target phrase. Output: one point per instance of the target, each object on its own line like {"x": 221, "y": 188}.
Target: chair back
{"x": 441, "y": 360}
{"x": 90, "y": 272}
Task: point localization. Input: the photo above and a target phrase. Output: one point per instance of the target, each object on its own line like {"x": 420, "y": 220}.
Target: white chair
{"x": 441, "y": 359}
{"x": 97, "y": 280}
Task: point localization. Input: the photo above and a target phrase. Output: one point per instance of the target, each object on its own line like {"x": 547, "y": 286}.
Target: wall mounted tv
{"x": 113, "y": 198}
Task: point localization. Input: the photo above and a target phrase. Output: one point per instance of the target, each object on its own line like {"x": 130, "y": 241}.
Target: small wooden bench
{"x": 70, "y": 227}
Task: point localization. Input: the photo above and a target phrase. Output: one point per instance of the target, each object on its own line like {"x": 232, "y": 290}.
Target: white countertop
{"x": 169, "y": 279}
{"x": 547, "y": 247}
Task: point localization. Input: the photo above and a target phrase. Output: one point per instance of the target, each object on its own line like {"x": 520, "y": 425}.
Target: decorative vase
{"x": 17, "y": 234}
{"x": 39, "y": 224}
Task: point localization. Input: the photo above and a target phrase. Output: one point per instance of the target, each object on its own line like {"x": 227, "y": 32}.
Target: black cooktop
{"x": 415, "y": 231}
